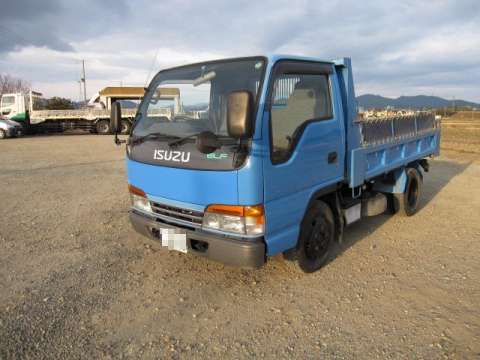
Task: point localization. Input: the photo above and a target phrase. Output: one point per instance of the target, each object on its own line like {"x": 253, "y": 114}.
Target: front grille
{"x": 178, "y": 215}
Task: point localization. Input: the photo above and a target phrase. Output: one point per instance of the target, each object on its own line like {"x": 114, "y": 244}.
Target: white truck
{"x": 29, "y": 110}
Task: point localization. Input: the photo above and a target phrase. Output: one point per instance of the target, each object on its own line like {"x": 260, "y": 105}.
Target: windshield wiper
{"x": 181, "y": 140}
{"x": 155, "y": 135}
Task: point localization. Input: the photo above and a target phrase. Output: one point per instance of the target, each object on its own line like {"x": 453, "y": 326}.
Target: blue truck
{"x": 267, "y": 155}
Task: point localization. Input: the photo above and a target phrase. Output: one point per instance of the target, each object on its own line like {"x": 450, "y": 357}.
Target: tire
{"x": 317, "y": 234}
{"x": 125, "y": 126}
{"x": 406, "y": 203}
{"x": 3, "y": 134}
{"x": 103, "y": 127}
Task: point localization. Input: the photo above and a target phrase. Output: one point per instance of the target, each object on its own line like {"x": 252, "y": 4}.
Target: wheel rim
{"x": 103, "y": 127}
{"x": 318, "y": 241}
{"x": 2, "y": 134}
{"x": 124, "y": 128}
{"x": 412, "y": 195}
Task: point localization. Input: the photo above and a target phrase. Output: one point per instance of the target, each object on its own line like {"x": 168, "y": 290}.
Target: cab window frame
{"x": 300, "y": 68}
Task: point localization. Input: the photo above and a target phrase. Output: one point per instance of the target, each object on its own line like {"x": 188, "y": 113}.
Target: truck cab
{"x": 18, "y": 106}
{"x": 268, "y": 168}
{"x": 13, "y": 106}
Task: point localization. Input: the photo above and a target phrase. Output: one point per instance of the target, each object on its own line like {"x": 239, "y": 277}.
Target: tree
{"x": 12, "y": 84}
{"x": 59, "y": 103}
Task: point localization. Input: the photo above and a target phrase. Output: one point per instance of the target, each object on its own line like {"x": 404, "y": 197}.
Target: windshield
{"x": 191, "y": 99}
{"x": 8, "y": 100}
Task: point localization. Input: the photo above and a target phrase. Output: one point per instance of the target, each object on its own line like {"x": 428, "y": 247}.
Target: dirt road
{"x": 77, "y": 282}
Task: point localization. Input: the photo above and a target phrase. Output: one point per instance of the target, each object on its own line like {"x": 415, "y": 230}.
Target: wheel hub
{"x": 318, "y": 241}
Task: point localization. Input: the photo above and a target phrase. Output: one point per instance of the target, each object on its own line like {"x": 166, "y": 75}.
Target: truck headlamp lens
{"x": 140, "y": 203}
{"x": 139, "y": 199}
{"x": 244, "y": 220}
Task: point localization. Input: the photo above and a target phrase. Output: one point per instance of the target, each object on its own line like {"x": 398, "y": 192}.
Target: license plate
{"x": 174, "y": 239}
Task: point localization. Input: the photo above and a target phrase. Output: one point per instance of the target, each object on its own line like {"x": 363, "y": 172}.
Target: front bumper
{"x": 10, "y": 132}
{"x": 231, "y": 251}
{"x": 14, "y": 132}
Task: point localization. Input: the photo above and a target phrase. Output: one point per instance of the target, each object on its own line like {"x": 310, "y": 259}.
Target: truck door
{"x": 306, "y": 145}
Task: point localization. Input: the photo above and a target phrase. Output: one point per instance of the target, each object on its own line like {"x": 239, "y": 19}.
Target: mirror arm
{"x": 242, "y": 149}
{"x": 118, "y": 141}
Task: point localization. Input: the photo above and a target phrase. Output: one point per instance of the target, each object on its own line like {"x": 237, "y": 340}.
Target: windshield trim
{"x": 234, "y": 59}
{"x": 142, "y": 107}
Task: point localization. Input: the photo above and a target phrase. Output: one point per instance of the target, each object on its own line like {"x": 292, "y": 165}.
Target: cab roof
{"x": 276, "y": 57}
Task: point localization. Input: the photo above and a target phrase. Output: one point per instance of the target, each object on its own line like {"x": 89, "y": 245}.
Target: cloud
{"x": 397, "y": 48}
{"x": 28, "y": 22}
{"x": 54, "y": 24}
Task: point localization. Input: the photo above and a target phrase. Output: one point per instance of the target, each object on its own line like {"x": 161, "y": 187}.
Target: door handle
{"x": 332, "y": 157}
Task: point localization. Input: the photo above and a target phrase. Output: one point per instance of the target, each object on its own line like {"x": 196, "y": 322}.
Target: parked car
{"x": 10, "y": 128}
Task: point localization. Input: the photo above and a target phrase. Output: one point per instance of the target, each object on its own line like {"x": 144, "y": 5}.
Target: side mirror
{"x": 239, "y": 114}
{"x": 115, "y": 117}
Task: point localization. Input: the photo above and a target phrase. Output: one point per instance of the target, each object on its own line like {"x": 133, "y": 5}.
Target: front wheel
{"x": 317, "y": 234}
{"x": 406, "y": 203}
{"x": 3, "y": 134}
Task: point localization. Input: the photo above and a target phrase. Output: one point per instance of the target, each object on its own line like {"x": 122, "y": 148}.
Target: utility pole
{"x": 80, "y": 90}
{"x": 84, "y": 82}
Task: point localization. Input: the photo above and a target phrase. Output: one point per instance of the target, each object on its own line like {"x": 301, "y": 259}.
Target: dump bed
{"x": 377, "y": 146}
{"x": 392, "y": 142}
{"x": 39, "y": 116}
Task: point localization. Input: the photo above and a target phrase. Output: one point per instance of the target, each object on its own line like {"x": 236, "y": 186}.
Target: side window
{"x": 296, "y": 100}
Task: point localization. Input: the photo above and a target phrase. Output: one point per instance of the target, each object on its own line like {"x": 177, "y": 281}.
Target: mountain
{"x": 195, "y": 107}
{"x": 369, "y": 101}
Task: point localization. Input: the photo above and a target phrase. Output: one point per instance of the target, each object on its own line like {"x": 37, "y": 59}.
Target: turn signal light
{"x": 136, "y": 191}
{"x": 255, "y": 211}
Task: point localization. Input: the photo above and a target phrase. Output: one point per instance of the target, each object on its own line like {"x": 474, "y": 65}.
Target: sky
{"x": 404, "y": 47}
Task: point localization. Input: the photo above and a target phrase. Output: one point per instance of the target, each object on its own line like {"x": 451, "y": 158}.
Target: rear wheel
{"x": 3, "y": 134}
{"x": 406, "y": 203}
{"x": 125, "y": 127}
{"x": 316, "y": 238}
{"x": 103, "y": 127}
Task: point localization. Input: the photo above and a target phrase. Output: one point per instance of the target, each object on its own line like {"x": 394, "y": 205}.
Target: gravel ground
{"x": 77, "y": 282}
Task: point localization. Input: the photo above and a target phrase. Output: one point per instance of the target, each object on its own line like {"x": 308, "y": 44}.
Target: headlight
{"x": 140, "y": 203}
{"x": 139, "y": 199}
{"x": 244, "y": 220}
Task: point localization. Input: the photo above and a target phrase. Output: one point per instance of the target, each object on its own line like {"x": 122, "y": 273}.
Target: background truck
{"x": 280, "y": 163}
{"x": 28, "y": 109}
